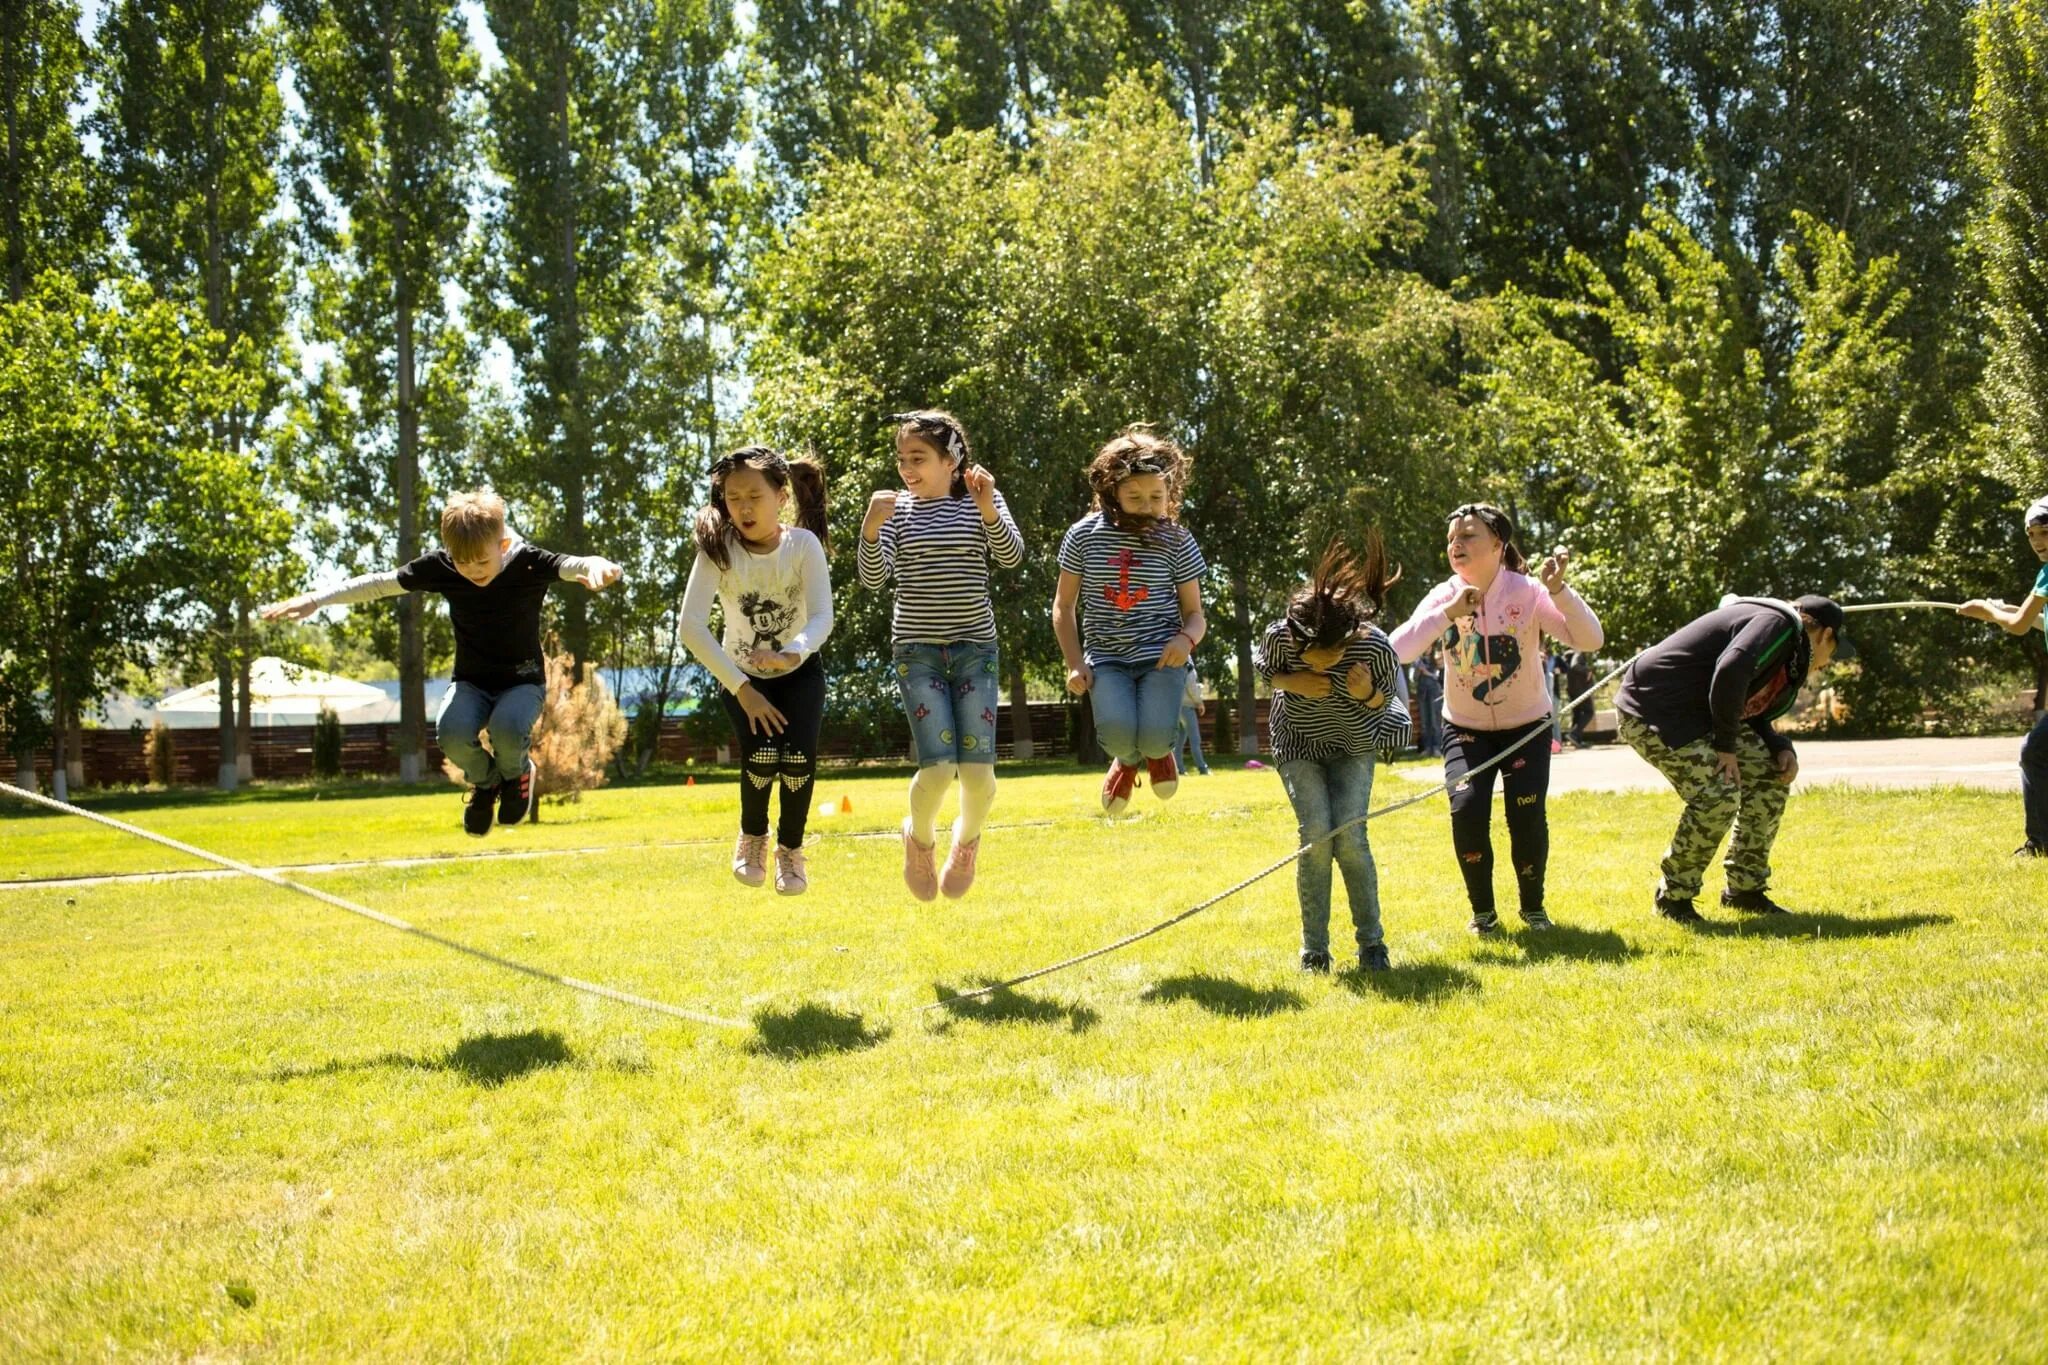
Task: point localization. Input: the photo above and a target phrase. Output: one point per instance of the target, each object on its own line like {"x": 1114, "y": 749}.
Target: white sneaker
{"x": 750, "y": 859}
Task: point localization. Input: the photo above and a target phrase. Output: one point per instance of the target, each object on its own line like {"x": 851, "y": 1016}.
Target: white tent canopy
{"x": 282, "y": 694}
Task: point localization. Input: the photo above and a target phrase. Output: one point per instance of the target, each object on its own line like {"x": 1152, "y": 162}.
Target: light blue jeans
{"x": 1137, "y": 710}
{"x": 1325, "y": 794}
{"x": 1191, "y": 733}
{"x": 509, "y": 716}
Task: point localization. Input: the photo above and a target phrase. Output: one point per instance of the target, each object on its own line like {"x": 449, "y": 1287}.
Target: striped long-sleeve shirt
{"x": 938, "y": 551}
{"x": 1339, "y": 724}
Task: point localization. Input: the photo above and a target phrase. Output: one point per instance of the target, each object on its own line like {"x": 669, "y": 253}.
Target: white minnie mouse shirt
{"x": 779, "y": 602}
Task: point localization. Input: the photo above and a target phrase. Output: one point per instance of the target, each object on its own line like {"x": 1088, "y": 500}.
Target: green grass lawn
{"x": 235, "y": 1123}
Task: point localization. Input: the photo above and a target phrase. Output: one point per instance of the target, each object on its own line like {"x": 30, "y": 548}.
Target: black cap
{"x": 1823, "y": 611}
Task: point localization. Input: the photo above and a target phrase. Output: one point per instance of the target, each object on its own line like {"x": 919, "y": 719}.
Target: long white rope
{"x": 388, "y": 921}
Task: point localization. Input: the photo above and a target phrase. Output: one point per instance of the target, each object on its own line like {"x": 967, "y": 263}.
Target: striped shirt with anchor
{"x": 1130, "y": 586}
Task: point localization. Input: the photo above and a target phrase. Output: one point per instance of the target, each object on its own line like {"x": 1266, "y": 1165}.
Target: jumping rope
{"x": 602, "y": 992}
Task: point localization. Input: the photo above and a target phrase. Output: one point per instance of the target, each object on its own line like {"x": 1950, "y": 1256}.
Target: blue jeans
{"x": 1191, "y": 731}
{"x": 509, "y": 716}
{"x": 949, "y": 698}
{"x": 2034, "y": 782}
{"x": 1325, "y": 794}
{"x": 1137, "y": 710}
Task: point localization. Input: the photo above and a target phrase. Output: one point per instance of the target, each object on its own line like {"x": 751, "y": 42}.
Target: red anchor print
{"x": 1123, "y": 596}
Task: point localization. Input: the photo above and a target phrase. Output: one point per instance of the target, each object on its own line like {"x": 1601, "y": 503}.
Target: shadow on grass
{"x": 1817, "y": 924}
{"x": 1414, "y": 983}
{"x": 1221, "y": 995}
{"x": 1529, "y": 948}
{"x": 811, "y": 1031}
{"x": 485, "y": 1059}
{"x": 1008, "y": 1007}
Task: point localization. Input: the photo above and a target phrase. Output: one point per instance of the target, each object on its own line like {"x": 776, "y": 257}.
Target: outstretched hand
{"x": 291, "y": 609}
{"x": 600, "y": 574}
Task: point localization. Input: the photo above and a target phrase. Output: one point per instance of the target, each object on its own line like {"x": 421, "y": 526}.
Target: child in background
{"x": 936, "y": 538}
{"x": 494, "y": 583}
{"x": 1192, "y": 708}
{"x": 776, "y": 592}
{"x": 1334, "y": 707}
{"x": 1493, "y": 618}
{"x": 1134, "y": 573}
{"x": 2018, "y": 621}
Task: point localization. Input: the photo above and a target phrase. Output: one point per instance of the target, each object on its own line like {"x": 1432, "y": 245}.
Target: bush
{"x": 327, "y": 744}
{"x": 580, "y": 729}
{"x": 160, "y": 754}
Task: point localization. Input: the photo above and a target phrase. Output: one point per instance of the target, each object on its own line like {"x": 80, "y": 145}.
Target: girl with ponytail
{"x": 770, "y": 577}
{"x": 1335, "y": 706}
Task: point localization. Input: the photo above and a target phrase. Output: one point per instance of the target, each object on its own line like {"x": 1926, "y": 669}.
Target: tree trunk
{"x": 1247, "y": 688}
{"x": 412, "y": 653}
{"x": 60, "y": 702}
{"x": 224, "y": 674}
{"x": 74, "y": 749}
{"x": 11, "y": 45}
{"x": 1022, "y": 744}
{"x": 245, "y": 705}
{"x": 568, "y": 370}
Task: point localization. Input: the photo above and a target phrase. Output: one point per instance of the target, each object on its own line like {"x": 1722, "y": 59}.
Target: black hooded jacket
{"x": 1740, "y": 665}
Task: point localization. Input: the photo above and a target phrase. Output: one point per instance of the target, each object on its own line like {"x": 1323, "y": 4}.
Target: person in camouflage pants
{"x": 1753, "y": 805}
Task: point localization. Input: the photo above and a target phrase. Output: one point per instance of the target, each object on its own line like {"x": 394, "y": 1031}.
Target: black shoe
{"x": 1373, "y": 958}
{"x": 1484, "y": 922}
{"x": 477, "y": 810}
{"x": 2030, "y": 851}
{"x": 1752, "y": 903}
{"x": 1537, "y": 919}
{"x": 515, "y": 799}
{"x": 1678, "y": 911}
{"x": 1315, "y": 962}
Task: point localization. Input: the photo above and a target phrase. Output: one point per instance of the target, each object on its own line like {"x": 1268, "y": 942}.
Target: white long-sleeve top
{"x": 780, "y": 602}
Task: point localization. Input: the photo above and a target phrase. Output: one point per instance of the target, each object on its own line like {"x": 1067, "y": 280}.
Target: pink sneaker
{"x": 1165, "y": 777}
{"x": 959, "y": 873}
{"x": 750, "y": 859}
{"x": 791, "y": 879}
{"x": 1116, "y": 788}
{"x": 918, "y": 874}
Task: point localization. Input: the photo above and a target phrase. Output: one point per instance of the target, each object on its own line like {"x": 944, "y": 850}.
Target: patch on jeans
{"x": 967, "y": 687}
{"x": 922, "y": 711}
{"x": 1473, "y": 857}
{"x": 903, "y": 670}
{"x": 969, "y": 743}
{"x": 988, "y": 717}
{"x": 939, "y": 685}
{"x": 1520, "y": 764}
{"x": 945, "y": 736}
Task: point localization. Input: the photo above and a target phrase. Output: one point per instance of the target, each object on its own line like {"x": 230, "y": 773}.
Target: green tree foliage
{"x": 2011, "y": 231}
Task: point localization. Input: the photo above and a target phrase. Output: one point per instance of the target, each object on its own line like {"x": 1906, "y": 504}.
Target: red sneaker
{"x": 1116, "y": 788}
{"x": 1165, "y": 777}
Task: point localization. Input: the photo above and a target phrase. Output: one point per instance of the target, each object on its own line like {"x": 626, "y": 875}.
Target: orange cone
{"x": 846, "y": 805}
{"x": 692, "y": 781}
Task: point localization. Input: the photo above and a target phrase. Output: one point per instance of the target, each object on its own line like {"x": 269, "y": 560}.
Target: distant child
{"x": 1427, "y": 711}
{"x": 1492, "y": 618}
{"x": 494, "y": 583}
{"x": 770, "y": 578}
{"x": 2018, "y": 621}
{"x": 936, "y": 538}
{"x": 1135, "y": 573}
{"x": 1335, "y": 706}
{"x": 1192, "y": 708}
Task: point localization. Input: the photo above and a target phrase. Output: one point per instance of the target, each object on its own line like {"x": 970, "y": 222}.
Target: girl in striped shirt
{"x": 1134, "y": 573}
{"x": 936, "y": 538}
{"x": 1335, "y": 705}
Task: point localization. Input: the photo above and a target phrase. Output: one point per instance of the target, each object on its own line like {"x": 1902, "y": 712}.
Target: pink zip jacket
{"x": 1493, "y": 679}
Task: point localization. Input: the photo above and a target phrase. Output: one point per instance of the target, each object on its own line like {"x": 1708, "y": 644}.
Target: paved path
{"x": 1991, "y": 764}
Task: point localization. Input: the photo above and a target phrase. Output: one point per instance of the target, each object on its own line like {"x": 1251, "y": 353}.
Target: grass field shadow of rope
{"x": 1221, "y": 995}
{"x": 1006, "y": 1006}
{"x": 812, "y": 1030}
{"x": 1818, "y": 924}
{"x": 1415, "y": 983}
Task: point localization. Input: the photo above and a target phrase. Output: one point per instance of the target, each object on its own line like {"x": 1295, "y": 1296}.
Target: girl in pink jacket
{"x": 1492, "y": 618}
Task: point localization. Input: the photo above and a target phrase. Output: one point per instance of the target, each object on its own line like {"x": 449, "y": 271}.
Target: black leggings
{"x": 1525, "y": 782}
{"x": 790, "y": 758}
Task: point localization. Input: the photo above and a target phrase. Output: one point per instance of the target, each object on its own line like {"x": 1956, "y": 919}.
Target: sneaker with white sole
{"x": 958, "y": 874}
{"x": 1117, "y": 787}
{"x": 515, "y": 798}
{"x": 791, "y": 879}
{"x": 750, "y": 859}
{"x": 1165, "y": 776}
{"x": 918, "y": 873}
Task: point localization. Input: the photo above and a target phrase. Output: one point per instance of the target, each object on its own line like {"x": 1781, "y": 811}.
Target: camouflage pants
{"x": 1754, "y": 806}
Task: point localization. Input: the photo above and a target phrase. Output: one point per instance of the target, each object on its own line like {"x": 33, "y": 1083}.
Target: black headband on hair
{"x": 956, "y": 444}
{"x": 1494, "y": 519}
{"x": 728, "y": 462}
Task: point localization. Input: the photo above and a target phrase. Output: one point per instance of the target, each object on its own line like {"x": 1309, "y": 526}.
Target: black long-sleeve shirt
{"x": 1740, "y": 665}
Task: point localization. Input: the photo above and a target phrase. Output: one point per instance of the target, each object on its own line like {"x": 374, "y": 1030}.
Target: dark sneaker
{"x": 1678, "y": 911}
{"x": 1484, "y": 922}
{"x": 515, "y": 799}
{"x": 1752, "y": 903}
{"x": 2030, "y": 851}
{"x": 1315, "y": 962}
{"x": 1537, "y": 919}
{"x": 1373, "y": 958}
{"x": 478, "y": 809}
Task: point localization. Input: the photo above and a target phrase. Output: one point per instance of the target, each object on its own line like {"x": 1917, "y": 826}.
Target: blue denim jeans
{"x": 1137, "y": 710}
{"x": 2034, "y": 782}
{"x": 1191, "y": 733}
{"x": 1325, "y": 794}
{"x": 468, "y": 711}
{"x": 949, "y": 698}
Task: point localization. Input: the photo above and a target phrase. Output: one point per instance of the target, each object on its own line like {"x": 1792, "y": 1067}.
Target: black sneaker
{"x": 515, "y": 799}
{"x": 1373, "y": 958}
{"x": 478, "y": 809}
{"x": 2030, "y": 851}
{"x": 1537, "y": 919}
{"x": 1752, "y": 903}
{"x": 1315, "y": 962}
{"x": 1678, "y": 911}
{"x": 1484, "y": 922}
